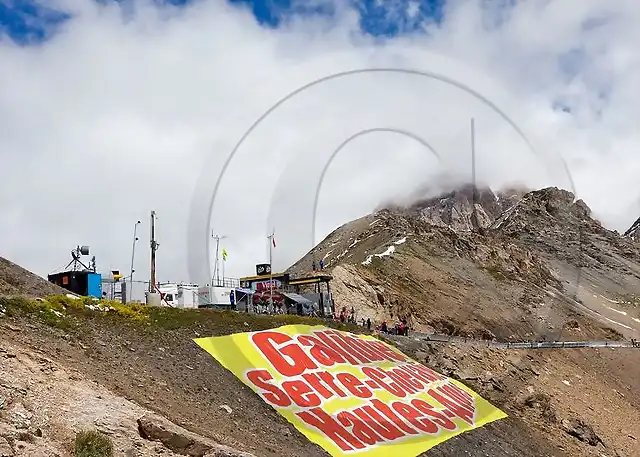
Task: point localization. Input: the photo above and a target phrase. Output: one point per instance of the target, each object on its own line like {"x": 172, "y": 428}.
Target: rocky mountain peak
{"x": 548, "y": 206}
{"x": 455, "y": 208}
{"x": 634, "y": 231}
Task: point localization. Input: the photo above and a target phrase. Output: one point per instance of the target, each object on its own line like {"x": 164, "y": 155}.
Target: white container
{"x": 153, "y": 299}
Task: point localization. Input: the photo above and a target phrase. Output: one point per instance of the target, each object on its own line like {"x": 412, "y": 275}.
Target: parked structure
{"x": 279, "y": 293}
{"x": 179, "y": 295}
{"x": 79, "y": 278}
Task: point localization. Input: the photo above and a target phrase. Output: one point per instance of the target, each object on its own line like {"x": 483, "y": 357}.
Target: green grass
{"x": 91, "y": 443}
{"x": 68, "y": 314}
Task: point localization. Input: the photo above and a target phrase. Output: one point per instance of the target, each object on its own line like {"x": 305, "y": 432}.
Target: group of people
{"x": 350, "y": 318}
{"x": 400, "y": 328}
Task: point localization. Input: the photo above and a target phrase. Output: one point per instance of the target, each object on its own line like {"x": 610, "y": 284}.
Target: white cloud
{"x": 113, "y": 118}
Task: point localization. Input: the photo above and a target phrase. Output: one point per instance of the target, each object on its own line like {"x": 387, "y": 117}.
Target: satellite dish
{"x": 84, "y": 250}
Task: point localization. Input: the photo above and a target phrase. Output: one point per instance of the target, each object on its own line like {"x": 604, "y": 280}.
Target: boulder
{"x": 182, "y": 441}
{"x": 581, "y": 430}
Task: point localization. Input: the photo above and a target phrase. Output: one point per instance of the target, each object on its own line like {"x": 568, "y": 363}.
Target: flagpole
{"x": 271, "y": 271}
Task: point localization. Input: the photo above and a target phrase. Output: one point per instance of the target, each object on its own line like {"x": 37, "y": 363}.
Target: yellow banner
{"x": 351, "y": 393}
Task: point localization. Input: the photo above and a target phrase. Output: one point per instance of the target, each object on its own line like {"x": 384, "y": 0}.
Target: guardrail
{"x": 439, "y": 338}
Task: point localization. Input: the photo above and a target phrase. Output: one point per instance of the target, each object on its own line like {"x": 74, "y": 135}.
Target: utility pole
{"x": 154, "y": 248}
{"x": 133, "y": 255}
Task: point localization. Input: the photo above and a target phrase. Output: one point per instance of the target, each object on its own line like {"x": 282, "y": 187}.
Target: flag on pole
{"x": 224, "y": 254}
{"x": 273, "y": 240}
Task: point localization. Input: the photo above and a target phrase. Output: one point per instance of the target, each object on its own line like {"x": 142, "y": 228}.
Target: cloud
{"x": 118, "y": 112}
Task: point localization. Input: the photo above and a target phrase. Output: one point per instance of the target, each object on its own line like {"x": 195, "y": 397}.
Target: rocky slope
{"x": 15, "y": 280}
{"x": 539, "y": 267}
{"x": 540, "y": 259}
{"x": 44, "y": 404}
{"x": 154, "y": 392}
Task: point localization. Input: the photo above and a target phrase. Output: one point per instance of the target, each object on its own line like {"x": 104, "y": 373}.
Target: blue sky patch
{"x": 28, "y": 22}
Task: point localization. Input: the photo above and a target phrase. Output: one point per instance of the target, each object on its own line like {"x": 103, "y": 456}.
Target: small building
{"x": 303, "y": 296}
{"x": 84, "y": 283}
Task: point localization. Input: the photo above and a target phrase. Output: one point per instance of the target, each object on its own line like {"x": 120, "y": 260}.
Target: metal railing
{"x": 439, "y": 338}
{"x": 225, "y": 282}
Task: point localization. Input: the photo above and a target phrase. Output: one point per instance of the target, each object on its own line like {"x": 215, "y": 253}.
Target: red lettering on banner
{"x": 272, "y": 394}
{"x": 440, "y": 419}
{"x": 319, "y": 419}
{"x": 343, "y": 343}
{"x": 459, "y": 395}
{"x": 301, "y": 394}
{"x": 460, "y": 411}
{"x": 415, "y": 374}
{"x": 368, "y": 424}
{"x": 324, "y": 337}
{"x": 405, "y": 380}
{"x": 289, "y": 360}
{"x": 366, "y": 348}
{"x": 413, "y": 416}
{"x": 388, "y": 412}
{"x": 355, "y": 386}
{"x": 316, "y": 383}
{"x": 331, "y": 382}
{"x": 425, "y": 373}
{"x": 358, "y": 347}
{"x": 388, "y": 353}
{"x": 379, "y": 423}
{"x": 320, "y": 352}
{"x": 378, "y": 375}
{"x": 360, "y": 429}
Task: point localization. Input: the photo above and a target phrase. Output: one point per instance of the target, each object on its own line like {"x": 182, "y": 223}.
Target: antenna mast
{"x": 474, "y": 190}
{"x": 76, "y": 262}
{"x": 215, "y": 280}
{"x": 154, "y": 248}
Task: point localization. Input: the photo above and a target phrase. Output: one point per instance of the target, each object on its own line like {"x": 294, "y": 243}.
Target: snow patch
{"x": 615, "y": 310}
{"x": 618, "y": 323}
{"x": 327, "y": 254}
{"x": 401, "y": 241}
{"x": 343, "y": 254}
{"x": 390, "y": 250}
